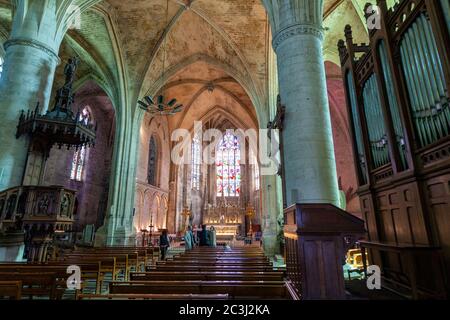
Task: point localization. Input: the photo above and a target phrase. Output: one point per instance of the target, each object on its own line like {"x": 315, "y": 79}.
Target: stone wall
{"x": 151, "y": 202}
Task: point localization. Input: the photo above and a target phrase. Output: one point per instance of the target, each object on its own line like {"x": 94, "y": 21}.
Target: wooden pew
{"x": 11, "y": 290}
{"x": 108, "y": 263}
{"x": 153, "y": 297}
{"x": 219, "y": 258}
{"x": 219, "y": 248}
{"x": 230, "y": 263}
{"x": 235, "y": 289}
{"x": 144, "y": 255}
{"x": 188, "y": 254}
{"x": 42, "y": 285}
{"x": 155, "y": 251}
{"x": 206, "y": 276}
{"x": 210, "y": 268}
{"x": 89, "y": 271}
{"x": 123, "y": 261}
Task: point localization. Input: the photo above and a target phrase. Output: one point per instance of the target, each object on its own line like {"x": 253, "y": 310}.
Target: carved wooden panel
{"x": 322, "y": 254}
{"x": 400, "y": 219}
{"x": 438, "y": 192}
{"x": 368, "y": 212}
{"x": 293, "y": 264}
{"x": 401, "y": 215}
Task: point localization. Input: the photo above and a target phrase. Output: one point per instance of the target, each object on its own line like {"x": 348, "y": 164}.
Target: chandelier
{"x": 161, "y": 106}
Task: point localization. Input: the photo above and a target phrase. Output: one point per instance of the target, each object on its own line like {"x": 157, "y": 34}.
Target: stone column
{"x": 270, "y": 211}
{"x": 172, "y": 208}
{"x": 310, "y": 166}
{"x": 29, "y": 67}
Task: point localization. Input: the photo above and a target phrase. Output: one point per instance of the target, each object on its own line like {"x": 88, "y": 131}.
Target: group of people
{"x": 202, "y": 238}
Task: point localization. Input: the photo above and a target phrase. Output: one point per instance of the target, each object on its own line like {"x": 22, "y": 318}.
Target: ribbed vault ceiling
{"x": 226, "y": 44}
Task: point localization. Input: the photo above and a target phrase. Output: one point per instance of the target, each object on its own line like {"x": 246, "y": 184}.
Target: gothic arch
{"x": 243, "y": 81}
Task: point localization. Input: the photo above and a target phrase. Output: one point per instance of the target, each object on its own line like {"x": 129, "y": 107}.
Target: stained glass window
{"x": 152, "y": 162}
{"x": 85, "y": 115}
{"x": 79, "y": 157}
{"x": 196, "y": 163}
{"x": 78, "y": 163}
{"x": 1, "y": 66}
{"x": 228, "y": 166}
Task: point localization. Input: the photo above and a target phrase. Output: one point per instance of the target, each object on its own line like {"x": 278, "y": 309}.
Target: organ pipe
{"x": 393, "y": 104}
{"x": 356, "y": 127}
{"x": 375, "y": 123}
{"x": 425, "y": 82}
{"x": 446, "y": 9}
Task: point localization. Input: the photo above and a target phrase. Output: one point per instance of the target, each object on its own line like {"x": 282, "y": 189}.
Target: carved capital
{"x": 32, "y": 43}
{"x": 297, "y": 29}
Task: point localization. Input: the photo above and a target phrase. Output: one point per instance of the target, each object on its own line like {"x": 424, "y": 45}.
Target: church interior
{"x": 225, "y": 149}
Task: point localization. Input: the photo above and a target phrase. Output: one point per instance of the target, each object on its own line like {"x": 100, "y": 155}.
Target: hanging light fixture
{"x": 161, "y": 106}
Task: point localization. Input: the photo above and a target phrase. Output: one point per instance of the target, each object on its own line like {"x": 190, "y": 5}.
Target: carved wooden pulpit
{"x": 317, "y": 239}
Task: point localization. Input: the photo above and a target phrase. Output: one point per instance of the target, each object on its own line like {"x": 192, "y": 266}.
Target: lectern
{"x": 317, "y": 239}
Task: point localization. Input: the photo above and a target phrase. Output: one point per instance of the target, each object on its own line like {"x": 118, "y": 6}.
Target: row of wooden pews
{"x": 135, "y": 273}
{"x": 242, "y": 273}
{"x": 48, "y": 281}
{"x": 98, "y": 267}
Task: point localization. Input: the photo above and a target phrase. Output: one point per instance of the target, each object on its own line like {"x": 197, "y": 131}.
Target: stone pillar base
{"x": 271, "y": 245}
{"x": 100, "y": 238}
{"x": 12, "y": 247}
{"x": 120, "y": 237}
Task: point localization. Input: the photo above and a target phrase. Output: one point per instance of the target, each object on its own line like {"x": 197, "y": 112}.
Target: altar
{"x": 226, "y": 232}
{"x": 227, "y": 219}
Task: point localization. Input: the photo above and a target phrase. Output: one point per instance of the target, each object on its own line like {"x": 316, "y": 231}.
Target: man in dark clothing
{"x": 164, "y": 243}
{"x": 204, "y": 239}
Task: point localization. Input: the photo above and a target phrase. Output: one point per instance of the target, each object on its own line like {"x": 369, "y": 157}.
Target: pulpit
{"x": 317, "y": 238}
{"x": 41, "y": 211}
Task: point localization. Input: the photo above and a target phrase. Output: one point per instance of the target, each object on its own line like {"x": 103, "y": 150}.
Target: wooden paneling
{"x": 401, "y": 215}
{"x": 438, "y": 192}
{"x": 404, "y": 205}
{"x": 315, "y": 248}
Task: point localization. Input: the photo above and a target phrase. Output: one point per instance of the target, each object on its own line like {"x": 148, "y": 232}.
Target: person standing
{"x": 213, "y": 237}
{"x": 204, "y": 238}
{"x": 164, "y": 243}
{"x": 189, "y": 241}
{"x": 194, "y": 235}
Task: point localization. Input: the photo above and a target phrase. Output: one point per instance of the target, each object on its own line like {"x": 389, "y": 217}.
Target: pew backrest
{"x": 11, "y": 290}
